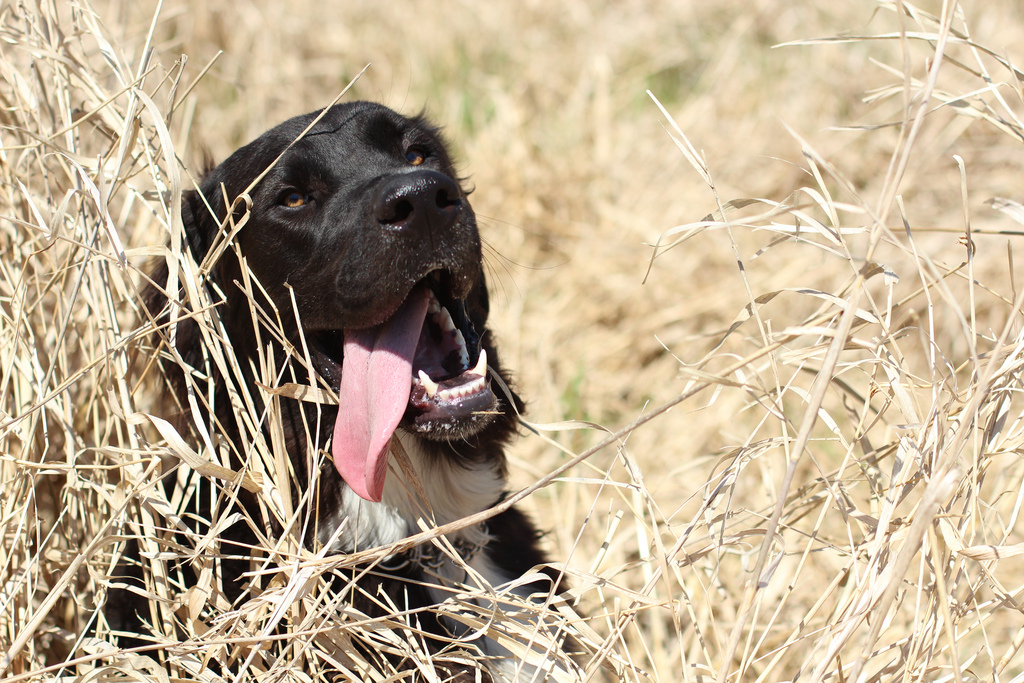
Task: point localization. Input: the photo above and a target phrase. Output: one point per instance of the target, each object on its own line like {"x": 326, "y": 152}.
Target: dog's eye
{"x": 294, "y": 200}
{"x": 415, "y": 156}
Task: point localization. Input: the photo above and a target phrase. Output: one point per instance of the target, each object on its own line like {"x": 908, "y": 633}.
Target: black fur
{"x": 353, "y": 216}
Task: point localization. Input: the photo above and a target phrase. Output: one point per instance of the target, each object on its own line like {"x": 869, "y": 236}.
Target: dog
{"x": 349, "y": 230}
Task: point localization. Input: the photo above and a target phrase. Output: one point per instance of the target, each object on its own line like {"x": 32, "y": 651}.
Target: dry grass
{"x": 827, "y": 480}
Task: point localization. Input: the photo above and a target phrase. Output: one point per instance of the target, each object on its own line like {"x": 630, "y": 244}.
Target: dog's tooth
{"x": 428, "y": 384}
{"x": 460, "y": 341}
{"x": 464, "y": 391}
{"x": 446, "y": 320}
{"x": 481, "y": 364}
{"x": 433, "y": 305}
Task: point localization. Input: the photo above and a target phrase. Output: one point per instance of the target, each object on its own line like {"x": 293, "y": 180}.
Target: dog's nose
{"x": 419, "y": 203}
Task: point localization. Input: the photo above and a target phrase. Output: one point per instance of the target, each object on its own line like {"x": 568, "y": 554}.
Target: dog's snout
{"x": 419, "y": 202}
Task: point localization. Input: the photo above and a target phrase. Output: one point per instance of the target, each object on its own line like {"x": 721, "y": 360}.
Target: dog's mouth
{"x": 449, "y": 370}
{"x": 422, "y": 368}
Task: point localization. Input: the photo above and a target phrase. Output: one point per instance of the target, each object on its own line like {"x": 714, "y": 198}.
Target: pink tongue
{"x": 376, "y": 380}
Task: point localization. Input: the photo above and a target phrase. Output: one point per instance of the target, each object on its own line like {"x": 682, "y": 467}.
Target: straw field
{"x": 756, "y": 266}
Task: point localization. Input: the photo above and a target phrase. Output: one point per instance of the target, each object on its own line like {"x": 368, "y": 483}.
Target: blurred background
{"x": 809, "y": 172}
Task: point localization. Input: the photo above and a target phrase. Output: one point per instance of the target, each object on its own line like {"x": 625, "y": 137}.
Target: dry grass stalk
{"x": 825, "y": 488}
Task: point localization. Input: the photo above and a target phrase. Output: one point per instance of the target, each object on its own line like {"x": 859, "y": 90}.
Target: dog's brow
{"x": 341, "y": 124}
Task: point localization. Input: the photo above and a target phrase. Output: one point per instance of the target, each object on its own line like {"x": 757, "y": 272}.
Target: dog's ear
{"x": 191, "y": 215}
{"x": 200, "y": 225}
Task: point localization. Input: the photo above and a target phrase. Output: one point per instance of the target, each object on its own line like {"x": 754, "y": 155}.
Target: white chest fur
{"x": 452, "y": 491}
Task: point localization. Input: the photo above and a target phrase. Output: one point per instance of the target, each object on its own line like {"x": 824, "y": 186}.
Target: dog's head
{"x": 361, "y": 227}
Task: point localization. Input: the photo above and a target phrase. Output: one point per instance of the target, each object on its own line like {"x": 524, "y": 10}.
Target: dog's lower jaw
{"x": 452, "y": 429}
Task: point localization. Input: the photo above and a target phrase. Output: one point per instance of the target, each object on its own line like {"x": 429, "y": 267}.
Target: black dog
{"x": 368, "y": 263}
